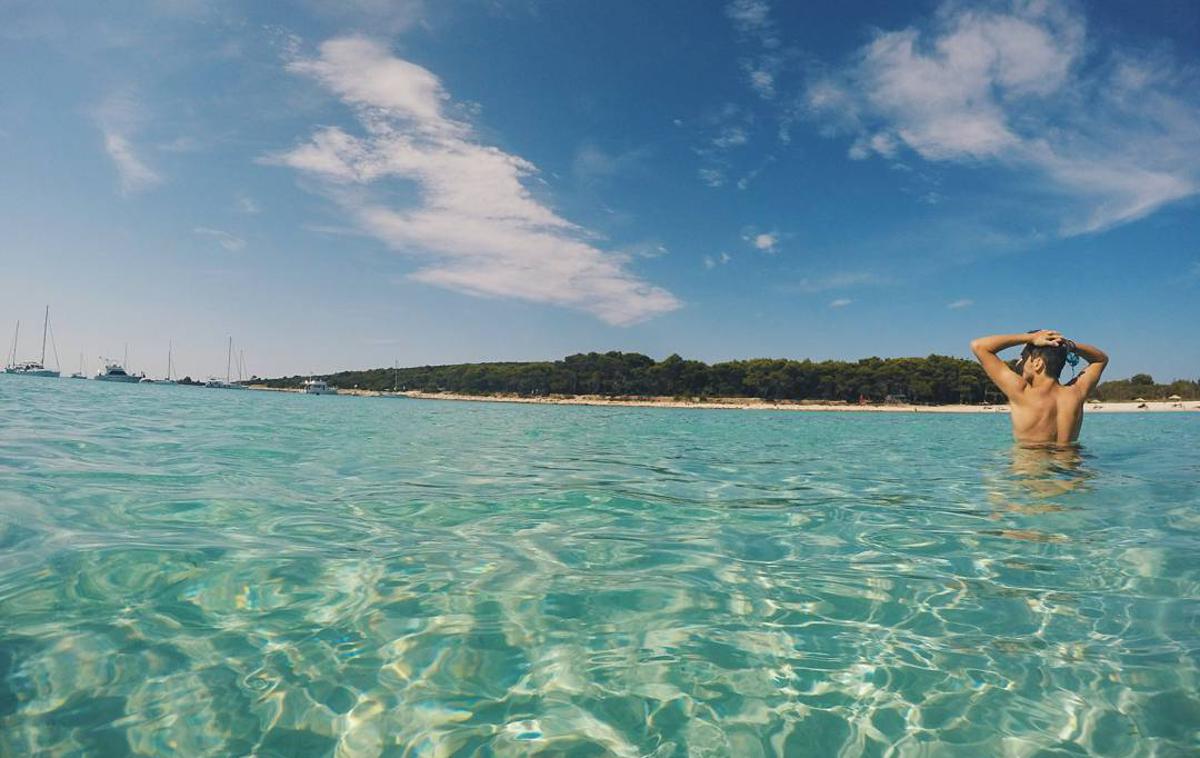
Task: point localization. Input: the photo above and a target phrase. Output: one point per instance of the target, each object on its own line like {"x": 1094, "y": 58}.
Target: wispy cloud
{"x": 1117, "y": 137}
{"x": 835, "y": 281}
{"x": 651, "y": 248}
{"x": 726, "y": 131}
{"x": 119, "y": 117}
{"x": 592, "y": 163}
{"x": 752, "y": 21}
{"x": 960, "y": 304}
{"x": 230, "y": 242}
{"x": 476, "y": 227}
{"x": 712, "y": 261}
{"x": 375, "y": 16}
{"x": 841, "y": 302}
{"x": 711, "y": 177}
{"x": 245, "y": 204}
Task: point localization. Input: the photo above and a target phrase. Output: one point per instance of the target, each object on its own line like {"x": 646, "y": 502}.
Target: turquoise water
{"x": 206, "y": 572}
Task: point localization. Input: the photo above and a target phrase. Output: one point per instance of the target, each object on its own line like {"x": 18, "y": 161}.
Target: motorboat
{"x": 115, "y": 372}
{"x": 319, "y": 387}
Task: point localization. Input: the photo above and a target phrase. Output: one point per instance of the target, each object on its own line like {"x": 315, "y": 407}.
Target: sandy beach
{"x": 751, "y": 404}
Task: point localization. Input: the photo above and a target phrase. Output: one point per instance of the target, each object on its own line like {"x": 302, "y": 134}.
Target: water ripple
{"x": 214, "y": 573}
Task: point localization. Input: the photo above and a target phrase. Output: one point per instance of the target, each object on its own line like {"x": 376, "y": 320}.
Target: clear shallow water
{"x": 224, "y": 573}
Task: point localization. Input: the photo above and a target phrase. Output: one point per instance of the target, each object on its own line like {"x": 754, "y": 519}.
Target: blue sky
{"x": 460, "y": 181}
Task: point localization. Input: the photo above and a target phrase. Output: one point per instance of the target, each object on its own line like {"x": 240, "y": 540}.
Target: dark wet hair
{"x": 1055, "y": 357}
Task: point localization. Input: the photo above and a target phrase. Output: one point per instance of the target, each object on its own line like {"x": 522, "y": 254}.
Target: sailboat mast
{"x": 45, "y": 325}
{"x": 168, "y": 361}
{"x": 12, "y": 356}
{"x": 229, "y": 360}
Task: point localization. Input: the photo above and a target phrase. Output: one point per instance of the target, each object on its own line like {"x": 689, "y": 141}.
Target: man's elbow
{"x": 977, "y": 346}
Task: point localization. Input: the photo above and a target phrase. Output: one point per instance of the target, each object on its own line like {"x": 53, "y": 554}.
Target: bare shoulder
{"x": 1069, "y": 395}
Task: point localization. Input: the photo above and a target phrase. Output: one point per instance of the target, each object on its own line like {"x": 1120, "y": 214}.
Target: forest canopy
{"x": 935, "y": 379}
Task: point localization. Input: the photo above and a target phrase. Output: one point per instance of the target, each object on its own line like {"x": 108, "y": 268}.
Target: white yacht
{"x": 319, "y": 387}
{"x": 31, "y": 368}
{"x": 115, "y": 372}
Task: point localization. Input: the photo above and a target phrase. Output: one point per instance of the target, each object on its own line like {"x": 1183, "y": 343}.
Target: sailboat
{"x": 80, "y": 374}
{"x": 32, "y": 368}
{"x": 228, "y": 383}
{"x": 168, "y": 379}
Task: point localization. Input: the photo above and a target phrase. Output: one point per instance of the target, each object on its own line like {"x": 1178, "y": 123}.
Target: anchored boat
{"x": 318, "y": 387}
{"x": 115, "y": 372}
{"x": 32, "y": 368}
{"x": 227, "y": 383}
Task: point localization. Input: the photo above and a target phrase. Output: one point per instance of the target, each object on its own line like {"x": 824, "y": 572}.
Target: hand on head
{"x": 1047, "y": 338}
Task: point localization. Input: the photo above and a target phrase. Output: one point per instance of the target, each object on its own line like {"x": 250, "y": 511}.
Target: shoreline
{"x": 746, "y": 403}
{"x": 750, "y": 404}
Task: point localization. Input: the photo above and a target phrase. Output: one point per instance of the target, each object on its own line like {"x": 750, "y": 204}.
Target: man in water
{"x": 1043, "y": 410}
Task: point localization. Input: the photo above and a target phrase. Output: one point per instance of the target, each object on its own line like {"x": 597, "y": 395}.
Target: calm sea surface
{"x": 207, "y": 572}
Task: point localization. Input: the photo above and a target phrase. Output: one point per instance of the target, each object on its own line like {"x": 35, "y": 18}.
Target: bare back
{"x": 1043, "y": 411}
{"x": 1047, "y": 415}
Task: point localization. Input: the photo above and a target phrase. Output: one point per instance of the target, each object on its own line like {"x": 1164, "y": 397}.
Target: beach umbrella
{"x": 1174, "y": 397}
{"x": 1139, "y": 400}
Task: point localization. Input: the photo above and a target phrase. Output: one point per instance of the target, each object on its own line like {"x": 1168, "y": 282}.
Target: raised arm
{"x": 985, "y": 349}
{"x": 1097, "y": 361}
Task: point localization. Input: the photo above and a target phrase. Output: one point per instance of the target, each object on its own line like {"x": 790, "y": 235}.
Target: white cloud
{"x": 226, "y": 240}
{"x": 246, "y": 204}
{"x": 119, "y": 118}
{"x": 764, "y": 241}
{"x": 841, "y": 302}
{"x": 1118, "y": 136}
{"x": 476, "y": 227}
{"x": 960, "y": 304}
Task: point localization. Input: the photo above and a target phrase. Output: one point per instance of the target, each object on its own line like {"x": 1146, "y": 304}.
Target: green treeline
{"x": 1144, "y": 386}
{"x": 935, "y": 379}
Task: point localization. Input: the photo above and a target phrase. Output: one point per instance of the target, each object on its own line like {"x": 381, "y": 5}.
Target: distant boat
{"x": 80, "y": 374}
{"x": 318, "y": 387}
{"x": 31, "y": 368}
{"x": 115, "y": 372}
{"x": 168, "y": 379}
{"x": 227, "y": 383}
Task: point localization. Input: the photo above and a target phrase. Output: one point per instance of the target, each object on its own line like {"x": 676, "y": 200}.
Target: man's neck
{"x": 1043, "y": 383}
